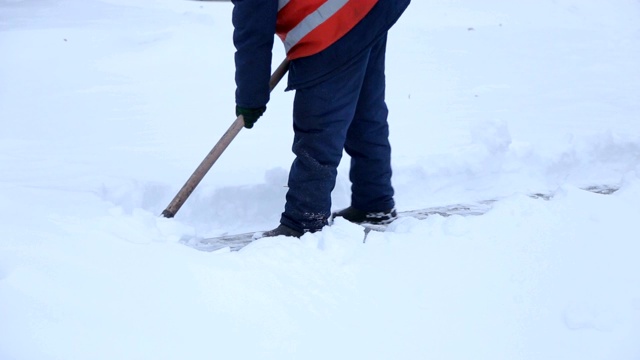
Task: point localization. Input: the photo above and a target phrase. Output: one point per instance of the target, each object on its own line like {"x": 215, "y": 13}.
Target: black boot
{"x": 362, "y": 217}
{"x": 282, "y": 230}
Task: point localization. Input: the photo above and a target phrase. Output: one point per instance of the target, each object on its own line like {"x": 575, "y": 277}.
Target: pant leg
{"x": 322, "y": 114}
{"x": 368, "y": 140}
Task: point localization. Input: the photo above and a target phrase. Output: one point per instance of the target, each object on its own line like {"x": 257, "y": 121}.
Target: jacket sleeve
{"x": 254, "y": 23}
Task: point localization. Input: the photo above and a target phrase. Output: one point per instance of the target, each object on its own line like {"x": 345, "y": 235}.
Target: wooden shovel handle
{"x": 217, "y": 150}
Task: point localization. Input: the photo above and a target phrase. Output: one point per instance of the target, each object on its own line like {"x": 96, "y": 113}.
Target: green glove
{"x": 250, "y": 116}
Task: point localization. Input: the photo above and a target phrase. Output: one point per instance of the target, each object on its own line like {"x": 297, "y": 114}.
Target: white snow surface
{"x": 107, "y": 106}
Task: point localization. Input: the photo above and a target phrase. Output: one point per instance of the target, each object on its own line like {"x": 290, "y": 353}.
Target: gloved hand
{"x": 250, "y": 115}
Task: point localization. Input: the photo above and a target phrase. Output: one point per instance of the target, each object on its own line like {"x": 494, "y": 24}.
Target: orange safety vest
{"x": 307, "y": 27}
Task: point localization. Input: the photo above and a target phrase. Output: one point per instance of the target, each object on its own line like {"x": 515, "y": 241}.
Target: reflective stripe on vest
{"x": 309, "y": 26}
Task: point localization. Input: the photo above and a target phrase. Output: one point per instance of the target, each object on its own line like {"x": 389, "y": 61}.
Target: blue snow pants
{"x": 345, "y": 111}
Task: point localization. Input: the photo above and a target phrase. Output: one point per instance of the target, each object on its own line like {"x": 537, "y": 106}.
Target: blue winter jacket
{"x": 255, "y": 25}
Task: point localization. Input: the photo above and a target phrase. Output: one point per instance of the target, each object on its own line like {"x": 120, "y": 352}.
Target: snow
{"x": 107, "y": 106}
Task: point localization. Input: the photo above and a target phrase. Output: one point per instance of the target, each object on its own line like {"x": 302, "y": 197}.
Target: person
{"x": 337, "y": 51}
